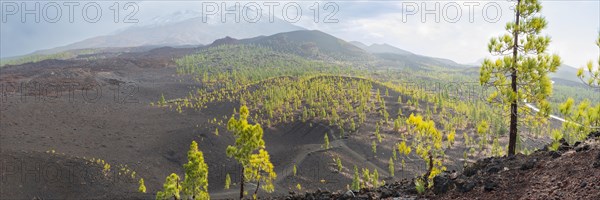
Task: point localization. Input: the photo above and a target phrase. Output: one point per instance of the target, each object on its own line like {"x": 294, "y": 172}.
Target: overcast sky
{"x": 573, "y": 25}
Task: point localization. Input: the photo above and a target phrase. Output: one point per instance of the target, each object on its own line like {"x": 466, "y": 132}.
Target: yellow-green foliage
{"x": 142, "y": 187}
{"x": 391, "y": 167}
{"x": 420, "y": 185}
{"x": 326, "y": 138}
{"x": 338, "y": 162}
{"x": 374, "y": 147}
{"x": 195, "y": 183}
{"x": 249, "y": 151}
{"x": 451, "y": 137}
{"x": 294, "y": 170}
{"x": 594, "y": 74}
{"x": 579, "y": 118}
{"x": 521, "y": 72}
{"x": 171, "y": 188}
{"x": 429, "y": 147}
{"x": 261, "y": 170}
{"x": 227, "y": 181}
{"x": 106, "y": 169}
{"x": 375, "y": 178}
{"x": 366, "y": 177}
{"x": 403, "y": 148}
{"x": 355, "y": 180}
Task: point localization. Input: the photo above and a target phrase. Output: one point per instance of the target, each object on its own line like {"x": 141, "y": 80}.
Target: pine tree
{"x": 451, "y": 137}
{"x": 326, "y": 138}
{"x": 294, "y": 170}
{"x": 171, "y": 188}
{"x": 375, "y": 179}
{"x": 262, "y": 171}
{"x": 195, "y": 183}
{"x": 397, "y": 125}
{"x": 142, "y": 187}
{"x": 391, "y": 167}
{"x": 249, "y": 139}
{"x": 521, "y": 74}
{"x": 162, "y": 100}
{"x": 366, "y": 177}
{"x": 338, "y": 162}
{"x": 355, "y": 180}
{"x": 374, "y": 147}
{"x": 227, "y": 181}
{"x": 430, "y": 148}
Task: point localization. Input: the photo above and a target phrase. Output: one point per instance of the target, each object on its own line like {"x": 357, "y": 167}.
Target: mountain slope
{"x": 381, "y": 48}
{"x": 566, "y": 72}
{"x": 395, "y": 56}
{"x": 306, "y": 43}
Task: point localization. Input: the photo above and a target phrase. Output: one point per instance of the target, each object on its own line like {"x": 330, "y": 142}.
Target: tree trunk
{"x": 242, "y": 184}
{"x": 257, "y": 185}
{"x": 513, "y": 84}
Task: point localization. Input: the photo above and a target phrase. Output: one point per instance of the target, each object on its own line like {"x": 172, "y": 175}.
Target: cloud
{"x": 573, "y": 28}
{"x": 573, "y": 33}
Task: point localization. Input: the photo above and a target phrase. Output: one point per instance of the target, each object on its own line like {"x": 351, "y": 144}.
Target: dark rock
{"x": 555, "y": 154}
{"x": 470, "y": 171}
{"x": 386, "y": 193}
{"x": 596, "y": 164}
{"x": 528, "y": 164}
{"x": 577, "y": 144}
{"x": 564, "y": 147}
{"x": 494, "y": 169}
{"x": 593, "y": 135}
{"x": 309, "y": 196}
{"x": 489, "y": 186}
{"x": 464, "y": 185}
{"x": 582, "y": 148}
{"x": 441, "y": 184}
{"x": 563, "y": 141}
{"x": 583, "y": 184}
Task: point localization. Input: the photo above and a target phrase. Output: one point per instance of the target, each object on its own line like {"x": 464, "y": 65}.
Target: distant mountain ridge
{"x": 180, "y": 28}
{"x": 306, "y": 43}
{"x": 381, "y": 48}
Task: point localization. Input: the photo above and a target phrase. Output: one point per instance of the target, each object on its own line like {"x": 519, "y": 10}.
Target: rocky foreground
{"x": 572, "y": 172}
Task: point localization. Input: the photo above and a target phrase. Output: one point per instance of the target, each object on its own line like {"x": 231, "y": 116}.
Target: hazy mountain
{"x": 381, "y": 48}
{"x": 307, "y": 43}
{"x": 182, "y": 28}
{"x": 566, "y": 72}
{"x": 395, "y": 56}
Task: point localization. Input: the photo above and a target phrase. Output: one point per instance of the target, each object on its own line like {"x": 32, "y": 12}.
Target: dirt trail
{"x": 301, "y": 155}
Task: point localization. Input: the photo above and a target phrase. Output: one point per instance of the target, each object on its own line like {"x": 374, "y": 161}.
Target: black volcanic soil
{"x": 42, "y": 108}
{"x": 573, "y": 172}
